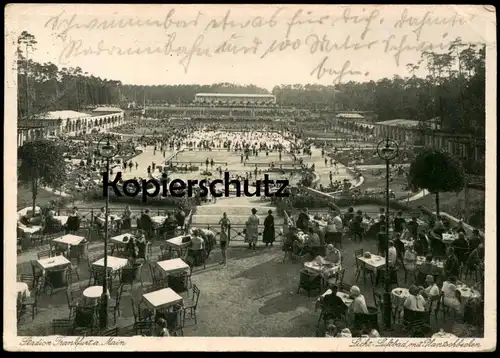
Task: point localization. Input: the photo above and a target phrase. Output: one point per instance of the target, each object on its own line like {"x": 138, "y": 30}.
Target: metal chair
{"x": 191, "y": 305}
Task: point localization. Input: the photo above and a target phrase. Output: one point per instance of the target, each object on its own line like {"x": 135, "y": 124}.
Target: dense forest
{"x": 454, "y": 90}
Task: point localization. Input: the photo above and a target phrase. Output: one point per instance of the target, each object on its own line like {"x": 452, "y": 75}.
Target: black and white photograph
{"x": 209, "y": 174}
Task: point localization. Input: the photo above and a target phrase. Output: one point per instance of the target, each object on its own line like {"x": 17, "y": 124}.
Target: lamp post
{"x": 108, "y": 148}
{"x": 387, "y": 150}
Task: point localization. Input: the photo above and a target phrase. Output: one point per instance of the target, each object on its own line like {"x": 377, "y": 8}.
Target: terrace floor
{"x": 254, "y": 296}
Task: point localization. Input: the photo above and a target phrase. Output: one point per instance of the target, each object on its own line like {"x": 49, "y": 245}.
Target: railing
{"x": 237, "y": 232}
{"x": 276, "y": 164}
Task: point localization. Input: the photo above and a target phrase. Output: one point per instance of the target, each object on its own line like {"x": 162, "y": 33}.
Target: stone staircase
{"x": 238, "y": 209}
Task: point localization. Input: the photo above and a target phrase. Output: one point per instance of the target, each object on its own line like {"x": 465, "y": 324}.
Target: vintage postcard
{"x": 250, "y": 177}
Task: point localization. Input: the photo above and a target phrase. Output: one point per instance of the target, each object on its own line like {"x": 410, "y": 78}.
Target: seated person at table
{"x": 426, "y": 268}
{"x": 100, "y": 216}
{"x": 358, "y": 304}
{"x": 393, "y": 254}
{"x": 169, "y": 225}
{"x": 431, "y": 289}
{"x": 399, "y": 222}
{"x": 196, "y": 247}
{"x": 51, "y": 225}
{"x": 451, "y": 296}
{"x": 415, "y": 301}
{"x": 332, "y": 305}
{"x": 333, "y": 255}
{"x": 475, "y": 239}
{"x": 303, "y": 220}
{"x": 461, "y": 247}
{"x": 73, "y": 223}
{"x": 451, "y": 265}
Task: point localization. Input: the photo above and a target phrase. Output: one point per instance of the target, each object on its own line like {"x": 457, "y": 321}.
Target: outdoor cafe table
{"x": 29, "y": 230}
{"x": 176, "y": 243}
{"x": 173, "y": 266}
{"x": 50, "y": 265}
{"x": 326, "y": 271}
{"x": 158, "y": 220}
{"x": 92, "y": 294}
{"x": 373, "y": 263}
{"x": 120, "y": 241}
{"x": 69, "y": 240}
{"x": 162, "y": 299}
{"x": 114, "y": 263}
{"x": 438, "y": 264}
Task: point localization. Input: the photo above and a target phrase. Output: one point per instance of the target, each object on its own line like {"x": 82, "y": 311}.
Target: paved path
{"x": 144, "y": 160}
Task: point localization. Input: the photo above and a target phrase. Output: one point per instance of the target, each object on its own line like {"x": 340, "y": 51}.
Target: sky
{"x": 264, "y": 45}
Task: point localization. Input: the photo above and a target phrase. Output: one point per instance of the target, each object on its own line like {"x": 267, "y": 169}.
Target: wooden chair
{"x": 190, "y": 305}
{"x": 36, "y": 271}
{"x": 62, "y": 326}
{"x": 359, "y": 264}
{"x": 28, "y": 279}
{"x": 32, "y": 301}
{"x": 309, "y": 281}
{"x": 73, "y": 295}
{"x": 114, "y": 305}
{"x": 144, "y": 326}
{"x": 175, "y": 321}
{"x": 85, "y": 319}
{"x": 127, "y": 276}
{"x": 344, "y": 287}
{"x": 110, "y": 332}
{"x": 45, "y": 254}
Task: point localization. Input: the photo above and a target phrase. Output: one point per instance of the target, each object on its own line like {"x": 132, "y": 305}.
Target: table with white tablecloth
{"x": 373, "y": 263}
{"x": 158, "y": 220}
{"x": 326, "y": 270}
{"x": 92, "y": 294}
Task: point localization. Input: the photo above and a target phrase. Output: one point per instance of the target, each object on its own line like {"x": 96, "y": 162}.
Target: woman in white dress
{"x": 252, "y": 230}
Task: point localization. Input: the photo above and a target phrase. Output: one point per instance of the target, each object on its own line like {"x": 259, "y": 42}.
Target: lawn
{"x": 24, "y": 197}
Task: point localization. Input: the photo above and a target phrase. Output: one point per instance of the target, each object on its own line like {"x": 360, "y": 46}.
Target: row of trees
{"x": 453, "y": 90}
